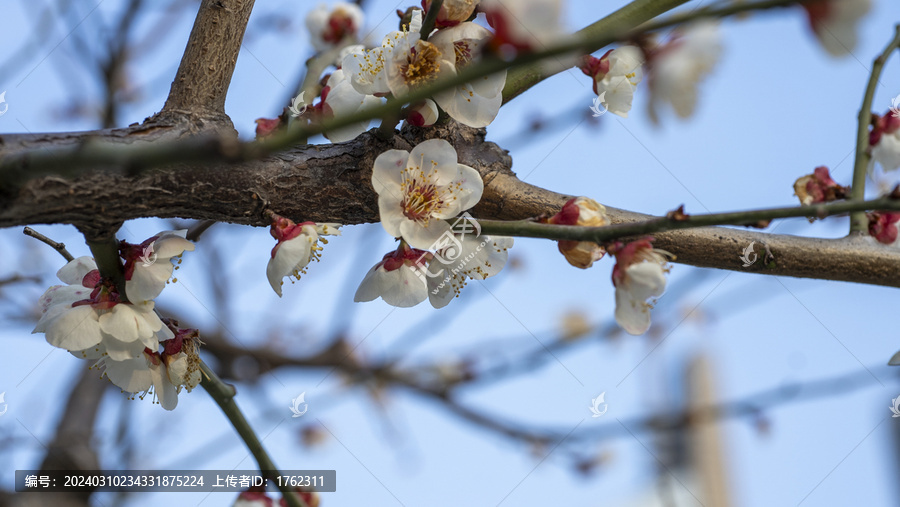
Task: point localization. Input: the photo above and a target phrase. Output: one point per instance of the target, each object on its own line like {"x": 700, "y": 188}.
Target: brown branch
{"x": 59, "y": 247}
{"x": 331, "y": 183}
{"x": 204, "y": 75}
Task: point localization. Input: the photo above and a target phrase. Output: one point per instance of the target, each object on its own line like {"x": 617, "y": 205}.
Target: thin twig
{"x": 194, "y": 232}
{"x": 430, "y": 18}
{"x": 223, "y": 395}
{"x": 532, "y": 229}
{"x": 858, "y": 221}
{"x": 59, "y": 247}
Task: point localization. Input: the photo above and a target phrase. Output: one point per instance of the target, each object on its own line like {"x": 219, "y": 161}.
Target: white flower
{"x": 529, "y": 25}
{"x": 887, "y": 151}
{"x": 616, "y": 74}
{"x": 163, "y": 374}
{"x": 639, "y": 276}
{"x": 148, "y": 266}
{"x": 467, "y": 256}
{"x": 342, "y": 99}
{"x": 367, "y": 69}
{"x": 476, "y": 103}
{"x": 415, "y": 63}
{"x": 417, "y": 191}
{"x": 835, "y": 23}
{"x": 328, "y": 27}
{"x": 87, "y": 313}
{"x": 678, "y": 67}
{"x": 398, "y": 278}
{"x": 297, "y": 245}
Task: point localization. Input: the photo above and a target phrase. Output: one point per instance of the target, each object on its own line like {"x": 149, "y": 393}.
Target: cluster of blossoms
{"x": 407, "y": 60}
{"x": 639, "y": 273}
{"x": 121, "y": 333}
{"x": 675, "y": 70}
{"x": 257, "y": 497}
{"x": 417, "y": 192}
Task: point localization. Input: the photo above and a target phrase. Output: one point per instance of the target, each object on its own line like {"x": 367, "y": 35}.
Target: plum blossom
{"x": 523, "y": 25}
{"x": 884, "y": 141}
{"x": 677, "y": 67}
{"x": 415, "y": 63}
{"x": 88, "y": 313}
{"x": 835, "y": 23}
{"x": 328, "y": 27}
{"x": 367, "y": 69}
{"x": 818, "y": 187}
{"x": 297, "y": 246}
{"x": 397, "y": 279}
{"x": 476, "y": 103}
{"x": 639, "y": 276}
{"x": 148, "y": 265}
{"x": 340, "y": 98}
{"x": 581, "y": 211}
{"x": 418, "y": 190}
{"x": 160, "y": 373}
{"x": 616, "y": 75}
{"x": 466, "y": 256}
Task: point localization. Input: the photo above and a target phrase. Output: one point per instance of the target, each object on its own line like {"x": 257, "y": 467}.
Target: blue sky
{"x": 774, "y": 108}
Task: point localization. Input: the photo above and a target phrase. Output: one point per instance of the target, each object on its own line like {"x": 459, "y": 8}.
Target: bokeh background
{"x": 797, "y": 367}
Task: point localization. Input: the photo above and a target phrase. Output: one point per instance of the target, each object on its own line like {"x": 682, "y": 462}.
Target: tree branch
{"x": 332, "y": 183}
{"x": 204, "y": 75}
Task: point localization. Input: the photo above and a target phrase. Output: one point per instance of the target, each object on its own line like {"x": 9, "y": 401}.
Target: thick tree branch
{"x": 204, "y": 75}
{"x": 331, "y": 183}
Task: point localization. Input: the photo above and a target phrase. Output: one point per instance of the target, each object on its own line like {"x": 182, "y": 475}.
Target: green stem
{"x": 430, "y": 18}
{"x": 106, "y": 255}
{"x": 223, "y": 394}
{"x": 858, "y": 221}
{"x": 59, "y": 247}
{"x": 532, "y": 229}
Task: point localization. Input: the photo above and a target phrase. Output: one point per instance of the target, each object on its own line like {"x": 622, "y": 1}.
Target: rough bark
{"x": 203, "y": 77}
{"x": 331, "y": 183}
